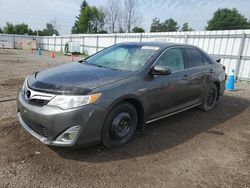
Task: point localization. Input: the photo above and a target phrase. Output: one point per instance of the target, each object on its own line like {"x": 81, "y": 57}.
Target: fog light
{"x": 68, "y": 136}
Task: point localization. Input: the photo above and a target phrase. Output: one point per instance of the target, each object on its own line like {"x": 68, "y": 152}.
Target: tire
{"x": 120, "y": 125}
{"x": 210, "y": 99}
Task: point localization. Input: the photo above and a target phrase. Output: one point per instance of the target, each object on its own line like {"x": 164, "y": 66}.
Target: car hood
{"x": 74, "y": 78}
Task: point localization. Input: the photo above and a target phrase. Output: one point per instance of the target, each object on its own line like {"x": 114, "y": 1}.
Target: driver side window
{"x": 172, "y": 59}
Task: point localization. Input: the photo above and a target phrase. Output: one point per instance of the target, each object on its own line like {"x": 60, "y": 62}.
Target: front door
{"x": 168, "y": 93}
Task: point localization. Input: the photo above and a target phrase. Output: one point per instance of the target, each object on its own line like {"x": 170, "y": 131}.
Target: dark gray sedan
{"x": 112, "y": 94}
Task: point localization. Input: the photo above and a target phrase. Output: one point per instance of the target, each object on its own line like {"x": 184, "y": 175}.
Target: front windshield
{"x": 123, "y": 57}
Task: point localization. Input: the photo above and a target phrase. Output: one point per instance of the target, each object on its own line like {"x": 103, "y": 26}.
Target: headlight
{"x": 24, "y": 85}
{"x": 69, "y": 101}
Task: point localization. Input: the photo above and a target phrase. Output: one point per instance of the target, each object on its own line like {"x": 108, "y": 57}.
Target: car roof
{"x": 159, "y": 44}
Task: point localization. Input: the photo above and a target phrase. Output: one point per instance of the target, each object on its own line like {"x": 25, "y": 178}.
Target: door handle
{"x": 185, "y": 77}
{"x": 211, "y": 71}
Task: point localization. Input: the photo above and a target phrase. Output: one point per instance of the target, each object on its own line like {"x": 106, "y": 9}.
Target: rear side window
{"x": 194, "y": 57}
{"x": 206, "y": 60}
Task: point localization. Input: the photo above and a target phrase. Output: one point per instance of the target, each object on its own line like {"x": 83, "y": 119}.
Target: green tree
{"x": 97, "y": 20}
{"x": 185, "y": 27}
{"x": 9, "y": 28}
{"x": 170, "y": 25}
{"x": 74, "y": 27}
{"x": 21, "y": 29}
{"x": 156, "y": 25}
{"x": 83, "y": 22}
{"x": 1, "y": 30}
{"x": 40, "y": 33}
{"x": 49, "y": 30}
{"x": 18, "y": 29}
{"x": 31, "y": 32}
{"x": 24, "y": 29}
{"x": 138, "y": 30}
{"x": 90, "y": 20}
{"x": 166, "y": 26}
{"x": 227, "y": 19}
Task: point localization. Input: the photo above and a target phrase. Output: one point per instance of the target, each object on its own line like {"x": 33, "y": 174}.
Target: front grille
{"x": 37, "y": 98}
{"x": 39, "y": 129}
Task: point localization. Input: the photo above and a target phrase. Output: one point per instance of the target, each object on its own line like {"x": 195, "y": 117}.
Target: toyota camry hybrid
{"x": 112, "y": 94}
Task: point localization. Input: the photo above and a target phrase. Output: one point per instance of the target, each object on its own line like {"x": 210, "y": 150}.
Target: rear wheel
{"x": 210, "y": 99}
{"x": 120, "y": 125}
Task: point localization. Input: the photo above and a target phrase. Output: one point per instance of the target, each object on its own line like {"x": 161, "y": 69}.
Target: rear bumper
{"x": 47, "y": 123}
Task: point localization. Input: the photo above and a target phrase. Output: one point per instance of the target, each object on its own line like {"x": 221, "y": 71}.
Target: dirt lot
{"x": 191, "y": 149}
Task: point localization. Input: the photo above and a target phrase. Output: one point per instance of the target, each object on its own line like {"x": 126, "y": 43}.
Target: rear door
{"x": 198, "y": 74}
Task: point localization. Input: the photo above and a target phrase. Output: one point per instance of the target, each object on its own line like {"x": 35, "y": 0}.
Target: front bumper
{"x": 33, "y": 133}
{"x": 47, "y": 123}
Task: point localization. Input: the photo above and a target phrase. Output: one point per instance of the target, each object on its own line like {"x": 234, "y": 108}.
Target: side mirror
{"x": 160, "y": 70}
{"x": 218, "y": 60}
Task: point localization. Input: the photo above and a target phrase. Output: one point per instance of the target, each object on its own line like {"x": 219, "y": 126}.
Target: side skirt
{"x": 167, "y": 115}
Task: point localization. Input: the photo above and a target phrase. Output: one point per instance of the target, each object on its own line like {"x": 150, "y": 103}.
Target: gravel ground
{"x": 190, "y": 149}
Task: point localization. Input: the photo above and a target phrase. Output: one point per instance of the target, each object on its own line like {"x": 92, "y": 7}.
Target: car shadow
{"x": 163, "y": 134}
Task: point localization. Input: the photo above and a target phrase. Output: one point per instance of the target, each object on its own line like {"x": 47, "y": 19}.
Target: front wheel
{"x": 210, "y": 99}
{"x": 120, "y": 125}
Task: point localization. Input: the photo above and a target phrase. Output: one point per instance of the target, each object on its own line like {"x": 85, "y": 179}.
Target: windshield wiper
{"x": 113, "y": 68}
{"x": 93, "y": 64}
{"x": 96, "y": 65}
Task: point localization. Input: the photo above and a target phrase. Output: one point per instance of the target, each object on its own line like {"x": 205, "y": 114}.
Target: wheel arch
{"x": 137, "y": 103}
{"x": 217, "y": 83}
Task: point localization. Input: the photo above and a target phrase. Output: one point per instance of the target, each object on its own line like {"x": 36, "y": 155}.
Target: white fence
{"x": 233, "y": 46}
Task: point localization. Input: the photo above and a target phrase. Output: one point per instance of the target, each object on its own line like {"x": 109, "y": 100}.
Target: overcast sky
{"x": 36, "y": 13}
